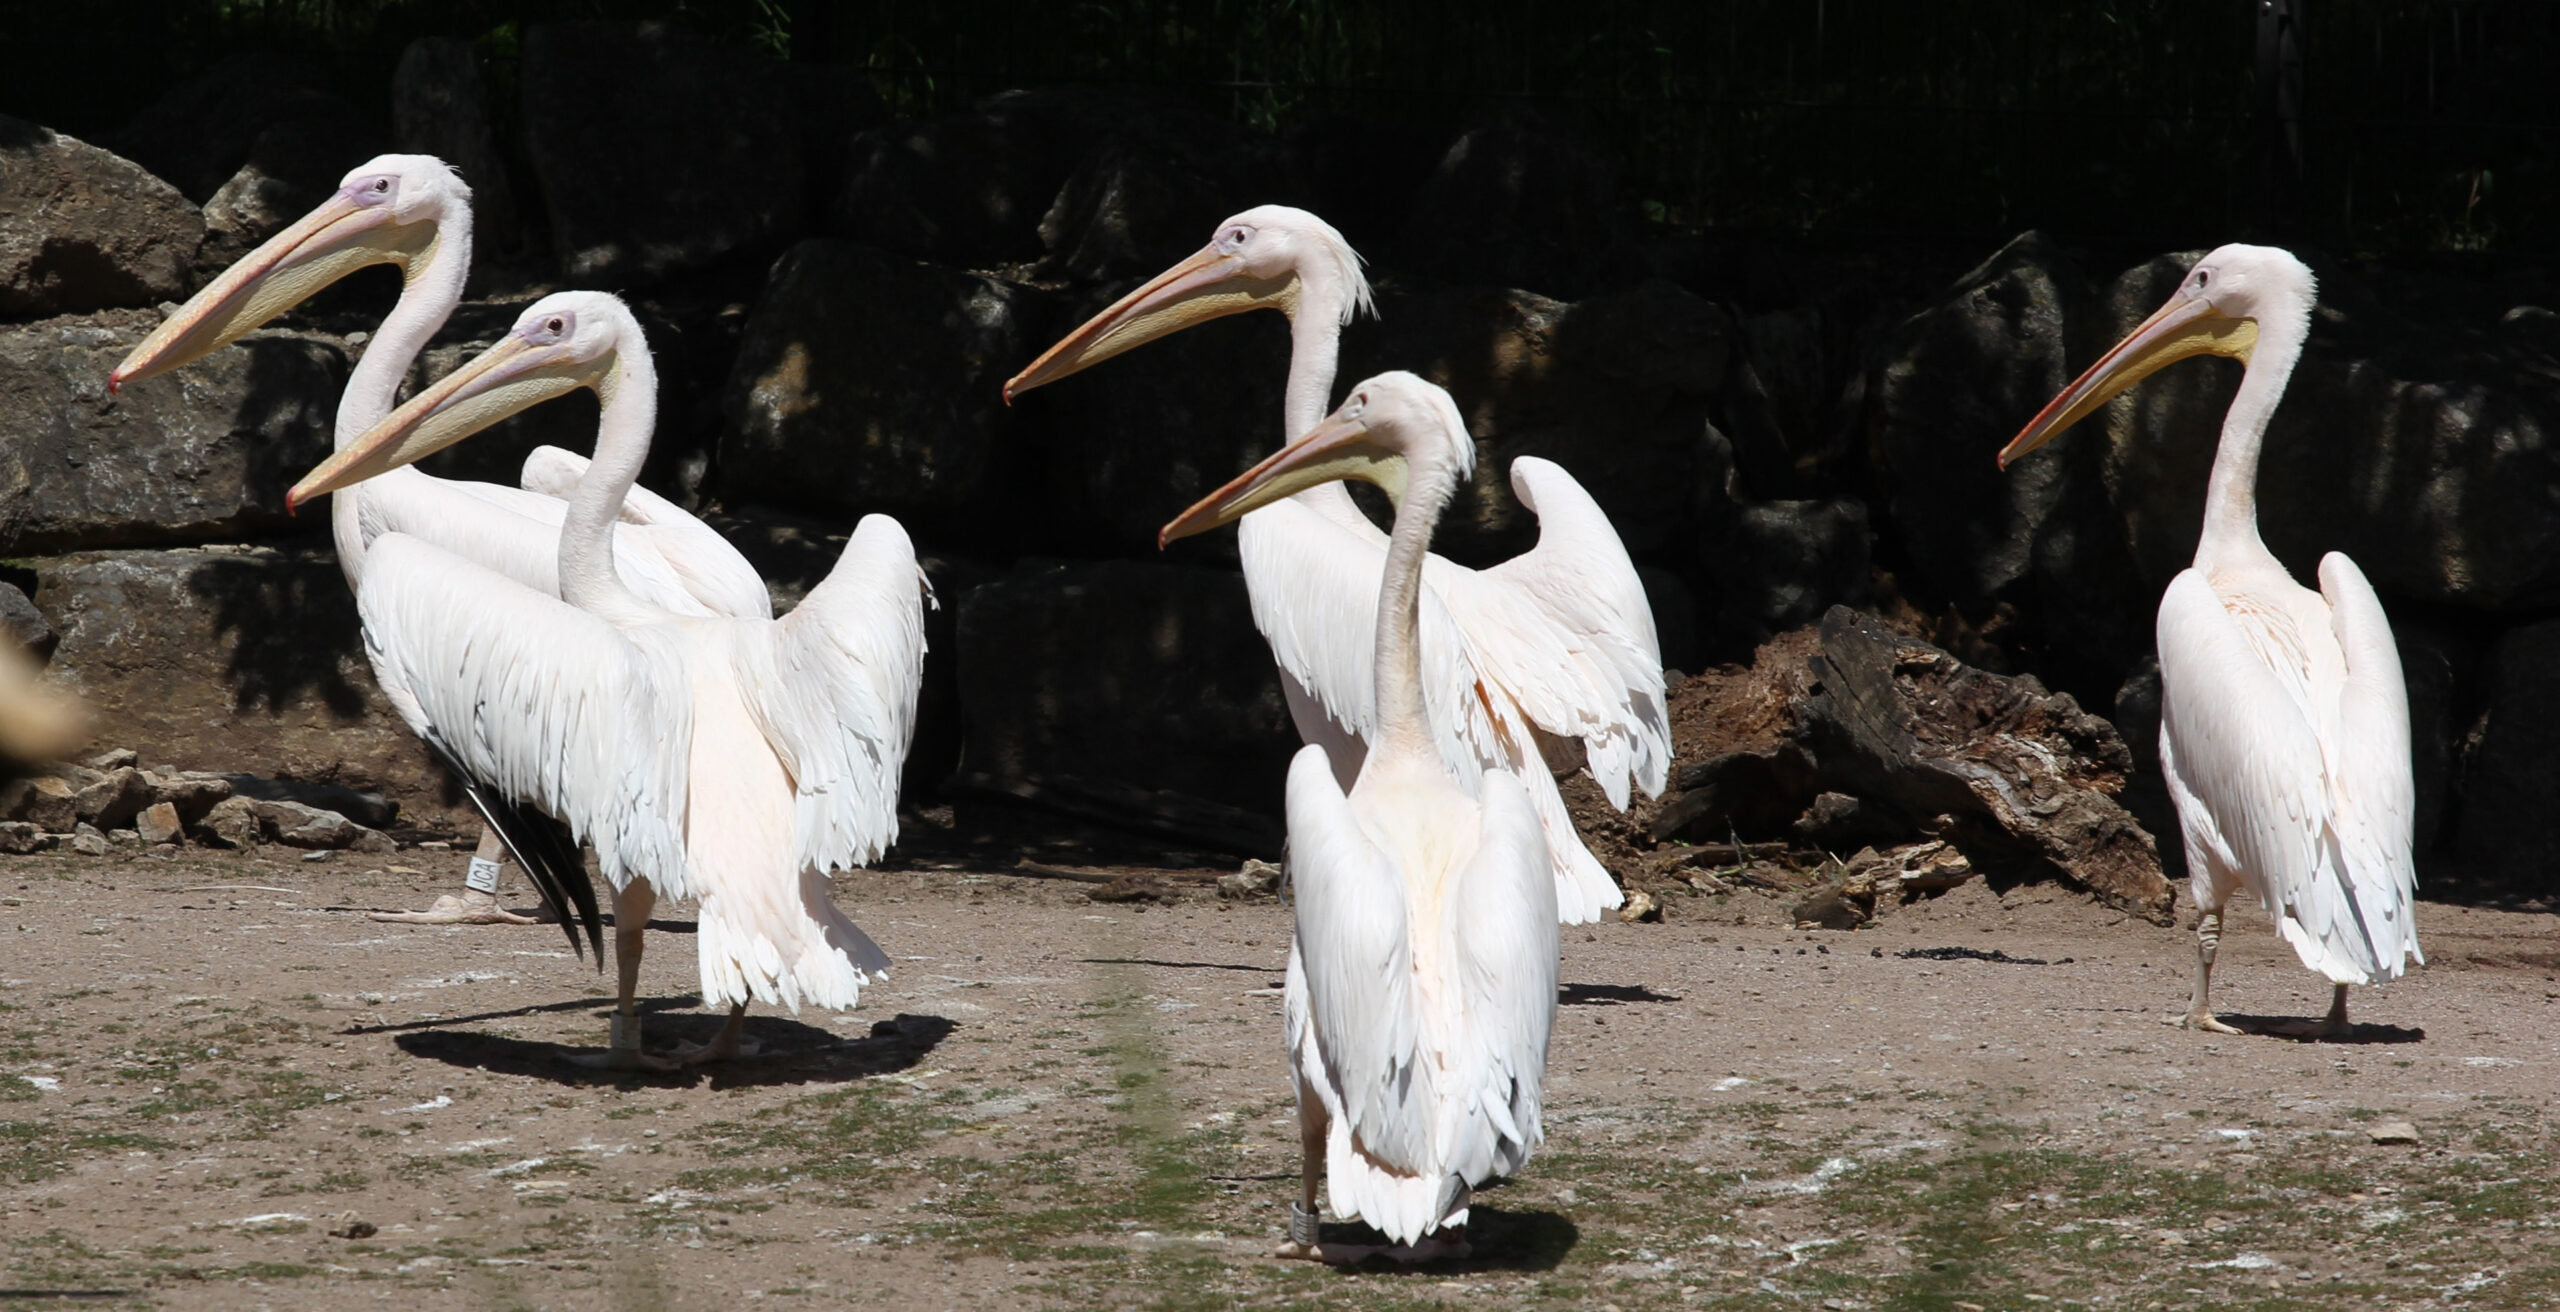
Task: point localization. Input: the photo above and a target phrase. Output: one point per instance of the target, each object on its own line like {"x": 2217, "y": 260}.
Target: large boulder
{"x": 230, "y": 659}
{"x": 293, "y": 166}
{"x": 866, "y": 381}
{"x": 1615, "y": 389}
{"x": 1153, "y": 193}
{"x": 1958, "y": 380}
{"x": 1131, "y": 691}
{"x": 204, "y": 452}
{"x": 440, "y": 107}
{"x": 23, "y": 624}
{"x": 658, "y": 152}
{"x": 199, "y": 132}
{"x": 82, "y": 229}
{"x": 1781, "y": 564}
{"x": 2507, "y": 830}
{"x": 1523, "y": 203}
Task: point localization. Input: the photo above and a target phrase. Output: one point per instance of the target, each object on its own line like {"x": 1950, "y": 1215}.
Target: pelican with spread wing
{"x": 1548, "y": 656}
{"x": 414, "y": 213}
{"x": 731, "y": 760}
{"x": 2284, "y": 725}
{"x": 1422, "y": 977}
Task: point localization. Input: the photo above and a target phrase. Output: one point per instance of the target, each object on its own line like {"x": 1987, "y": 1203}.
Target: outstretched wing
{"x": 539, "y": 701}
{"x": 833, "y": 686}
{"x": 2239, "y": 719}
{"x": 710, "y": 570}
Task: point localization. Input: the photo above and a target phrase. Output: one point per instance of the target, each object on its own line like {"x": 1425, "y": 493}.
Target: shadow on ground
{"x": 792, "y": 1052}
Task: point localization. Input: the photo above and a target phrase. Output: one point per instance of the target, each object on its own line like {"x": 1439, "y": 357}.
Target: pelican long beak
{"x": 1201, "y": 288}
{"x": 330, "y": 242}
{"x": 513, "y": 376}
{"x": 2187, "y": 325}
{"x": 1338, "y": 448}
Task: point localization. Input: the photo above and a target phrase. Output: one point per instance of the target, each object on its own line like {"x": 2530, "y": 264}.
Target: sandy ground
{"x": 222, "y": 1087}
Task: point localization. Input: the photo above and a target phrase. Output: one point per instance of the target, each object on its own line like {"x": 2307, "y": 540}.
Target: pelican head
{"x": 391, "y": 210}
{"x": 2217, "y": 310}
{"x": 563, "y": 342}
{"x": 1386, "y": 426}
{"x": 1266, "y": 258}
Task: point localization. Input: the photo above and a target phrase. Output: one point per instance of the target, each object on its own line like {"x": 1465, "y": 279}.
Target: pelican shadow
{"x": 2275, "y": 1027}
{"x": 793, "y": 1052}
{"x": 1500, "y": 1240}
{"x": 1609, "y": 995}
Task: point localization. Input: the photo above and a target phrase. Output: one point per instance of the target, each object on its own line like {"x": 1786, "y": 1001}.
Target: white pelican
{"x": 2284, "y": 726}
{"x": 414, "y": 212}
{"x": 1422, "y": 978}
{"x": 1545, "y": 655}
{"x": 732, "y": 760}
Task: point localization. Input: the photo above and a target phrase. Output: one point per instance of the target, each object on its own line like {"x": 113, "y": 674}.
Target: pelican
{"x": 412, "y": 211}
{"x": 1545, "y": 657}
{"x": 2284, "y": 726}
{"x": 1422, "y": 977}
{"x": 732, "y": 760}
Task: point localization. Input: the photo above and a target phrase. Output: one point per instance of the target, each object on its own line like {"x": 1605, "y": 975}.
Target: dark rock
{"x": 293, "y": 166}
{"x": 296, "y": 825}
{"x": 204, "y": 452}
{"x": 1256, "y": 879}
{"x": 1777, "y": 409}
{"x": 831, "y": 106}
{"x": 1151, "y": 194}
{"x": 971, "y": 189}
{"x": 81, "y": 229}
{"x": 1894, "y": 719}
{"x": 234, "y": 822}
{"x": 657, "y": 150}
{"x": 870, "y": 382}
{"x": 1959, "y": 380}
{"x": 1676, "y": 622}
{"x": 1780, "y": 564}
{"x": 299, "y": 798}
{"x": 2146, "y": 794}
{"x": 22, "y": 623}
{"x": 202, "y": 130}
{"x": 440, "y": 107}
{"x": 1362, "y": 175}
{"x": 1523, "y": 203}
{"x": 1615, "y": 389}
{"x": 1837, "y": 822}
{"x": 113, "y": 800}
{"x": 18, "y": 838}
{"x": 231, "y": 658}
{"x": 158, "y": 823}
{"x": 1134, "y": 692}
{"x": 192, "y": 793}
{"x": 2508, "y": 830}
{"x": 87, "y": 841}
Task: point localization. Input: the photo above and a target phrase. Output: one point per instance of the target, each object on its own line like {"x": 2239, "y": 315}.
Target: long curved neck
{"x": 1315, "y": 353}
{"x": 430, "y": 288}
{"x": 2231, "y": 494}
{"x": 1402, "y": 722}
{"x": 624, "y": 422}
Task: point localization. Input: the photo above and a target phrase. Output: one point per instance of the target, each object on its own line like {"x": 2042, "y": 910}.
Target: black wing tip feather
{"x": 546, "y": 850}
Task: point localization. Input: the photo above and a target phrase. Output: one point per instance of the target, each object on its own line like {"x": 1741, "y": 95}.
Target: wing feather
{"x": 540, "y": 701}
{"x": 2374, "y": 790}
{"x": 1508, "y": 950}
{"x": 833, "y": 685}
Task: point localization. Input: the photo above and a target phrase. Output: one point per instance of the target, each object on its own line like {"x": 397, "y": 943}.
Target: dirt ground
{"x": 222, "y": 1087}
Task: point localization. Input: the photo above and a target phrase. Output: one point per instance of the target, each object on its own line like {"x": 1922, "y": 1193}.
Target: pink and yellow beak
{"x": 343, "y": 235}
{"x": 2187, "y": 325}
{"x": 508, "y": 378}
{"x": 1342, "y": 447}
{"x": 1203, "y": 287}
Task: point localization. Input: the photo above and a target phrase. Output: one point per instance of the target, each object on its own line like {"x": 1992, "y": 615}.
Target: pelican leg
{"x": 728, "y": 1046}
{"x": 631, "y": 907}
{"x": 2208, "y": 939}
{"x": 477, "y": 905}
{"x": 1304, "y": 1216}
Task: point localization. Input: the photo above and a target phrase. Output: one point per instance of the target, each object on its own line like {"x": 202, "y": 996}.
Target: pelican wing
{"x": 508, "y": 530}
{"x": 1565, "y": 628}
{"x": 538, "y": 700}
{"x": 2239, "y": 736}
{"x": 1507, "y": 950}
{"x": 709, "y": 570}
{"x": 2374, "y": 793}
{"x": 1314, "y": 586}
{"x": 833, "y": 686}
{"x": 1357, "y": 960}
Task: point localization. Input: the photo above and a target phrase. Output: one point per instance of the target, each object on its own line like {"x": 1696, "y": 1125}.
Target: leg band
{"x": 1302, "y": 1225}
{"x": 483, "y": 877}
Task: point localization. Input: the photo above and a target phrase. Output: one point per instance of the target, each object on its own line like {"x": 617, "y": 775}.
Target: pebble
{"x": 2393, "y": 1132}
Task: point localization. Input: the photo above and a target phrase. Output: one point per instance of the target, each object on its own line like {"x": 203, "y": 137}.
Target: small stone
{"x": 118, "y": 759}
{"x": 2393, "y": 1132}
{"x": 46, "y": 802}
{"x": 323, "y": 854}
{"x": 1257, "y": 879}
{"x": 348, "y": 1225}
{"x": 87, "y": 841}
{"x": 233, "y": 822}
{"x": 1640, "y": 907}
{"x": 17, "y": 838}
{"x": 159, "y": 823}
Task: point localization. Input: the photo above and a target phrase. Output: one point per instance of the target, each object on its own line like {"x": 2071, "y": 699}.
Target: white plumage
{"x": 734, "y": 761}
{"x": 2284, "y": 723}
{"x": 1422, "y": 978}
{"x": 1557, "y": 644}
